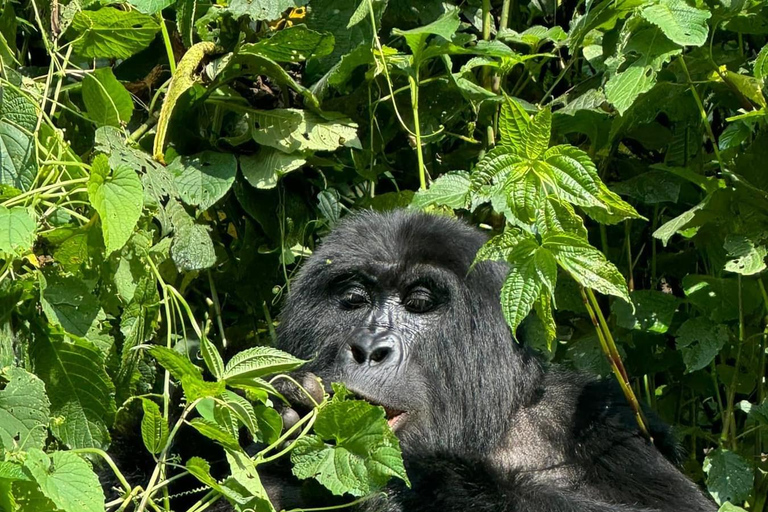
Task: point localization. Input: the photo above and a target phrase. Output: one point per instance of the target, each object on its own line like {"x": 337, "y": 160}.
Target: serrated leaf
{"x": 70, "y": 303}
{"x": 699, "y": 341}
{"x": 559, "y": 217}
{"x": 192, "y": 247}
{"x": 729, "y": 476}
{"x": 211, "y": 357}
{"x": 499, "y": 247}
{"x": 681, "y": 23}
{"x": 265, "y": 168}
{"x": 295, "y": 44}
{"x": 80, "y": 391}
{"x": 514, "y": 123}
{"x": 241, "y": 409}
{"x": 118, "y": 196}
{"x": 67, "y": 480}
{"x": 450, "y": 189}
{"x": 201, "y": 469}
{"x": 151, "y": 6}
{"x": 213, "y": 431}
{"x": 107, "y": 102}
{"x": 364, "y": 457}
{"x": 177, "y": 364}
{"x": 154, "y": 428}
{"x": 24, "y": 411}
{"x": 574, "y": 174}
{"x": 537, "y": 137}
{"x": 499, "y": 165}
{"x": 18, "y": 118}
{"x": 587, "y": 265}
{"x": 653, "y": 50}
{"x": 204, "y": 178}
{"x": 111, "y": 33}
{"x": 291, "y": 130}
{"x": 258, "y": 10}
{"x": 612, "y": 208}
{"x": 258, "y": 362}
{"x": 671, "y": 227}
{"x": 519, "y": 292}
{"x": 524, "y": 197}
{"x": 17, "y": 230}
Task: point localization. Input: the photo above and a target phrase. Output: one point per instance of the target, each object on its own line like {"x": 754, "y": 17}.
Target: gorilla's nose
{"x": 373, "y": 348}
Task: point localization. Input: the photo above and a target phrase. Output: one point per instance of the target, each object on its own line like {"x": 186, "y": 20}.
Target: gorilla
{"x": 391, "y": 306}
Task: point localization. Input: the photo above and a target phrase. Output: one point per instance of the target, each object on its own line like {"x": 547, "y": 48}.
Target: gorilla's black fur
{"x": 390, "y": 305}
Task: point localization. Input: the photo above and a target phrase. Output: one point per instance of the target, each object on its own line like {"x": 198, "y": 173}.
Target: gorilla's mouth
{"x": 395, "y": 417}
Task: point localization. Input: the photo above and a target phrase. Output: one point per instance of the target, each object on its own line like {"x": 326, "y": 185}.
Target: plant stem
{"x": 334, "y": 507}
{"x": 111, "y": 463}
{"x": 413, "y": 81}
{"x": 614, "y": 358}
{"x": 703, "y": 112}
{"x": 217, "y": 309}
{"x": 727, "y": 435}
{"x": 504, "y": 20}
{"x": 167, "y": 41}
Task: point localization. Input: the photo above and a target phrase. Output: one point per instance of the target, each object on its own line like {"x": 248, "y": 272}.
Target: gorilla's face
{"x": 388, "y": 306}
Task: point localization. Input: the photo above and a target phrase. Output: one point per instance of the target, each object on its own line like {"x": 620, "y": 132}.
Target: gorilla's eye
{"x": 419, "y": 300}
{"x": 354, "y": 297}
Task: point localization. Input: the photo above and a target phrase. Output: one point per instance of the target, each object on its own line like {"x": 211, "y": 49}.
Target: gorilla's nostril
{"x": 358, "y": 354}
{"x": 380, "y": 354}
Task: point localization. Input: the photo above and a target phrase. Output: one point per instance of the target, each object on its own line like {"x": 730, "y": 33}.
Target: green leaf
{"x": 521, "y": 287}
{"x": 761, "y": 64}
{"x": 729, "y": 476}
{"x": 211, "y": 357}
{"x": 514, "y": 123}
{"x": 729, "y": 507}
{"x": 502, "y": 164}
{"x": 574, "y": 173}
{"x": 295, "y": 44}
{"x": 699, "y": 341}
{"x": 241, "y": 409}
{"x": 756, "y": 412}
{"x": 111, "y": 33}
{"x": 364, "y": 456}
{"x": 450, "y": 189}
{"x": 24, "y": 411}
{"x": 154, "y": 428}
{"x": 177, "y": 364}
{"x": 80, "y": 391}
{"x": 265, "y": 168}
{"x": 537, "y": 137}
{"x": 118, "y": 197}
{"x": 681, "y": 23}
{"x": 151, "y": 6}
{"x": 204, "y": 178}
{"x": 749, "y": 257}
{"x": 18, "y": 119}
{"x": 70, "y": 303}
{"x": 258, "y": 10}
{"x": 445, "y": 26}
{"x": 192, "y": 247}
{"x": 291, "y": 130}
{"x": 653, "y": 311}
{"x": 499, "y": 247}
{"x": 612, "y": 208}
{"x": 200, "y": 469}
{"x": 652, "y": 49}
{"x": 213, "y": 431}
{"x": 67, "y": 480}
{"x": 559, "y": 217}
{"x": 524, "y": 198}
{"x": 17, "y": 230}
{"x": 107, "y": 102}
{"x": 718, "y": 298}
{"x": 679, "y": 223}
{"x": 587, "y": 265}
{"x": 258, "y": 362}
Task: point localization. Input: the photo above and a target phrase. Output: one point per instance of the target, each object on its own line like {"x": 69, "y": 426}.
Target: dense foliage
{"x": 166, "y": 164}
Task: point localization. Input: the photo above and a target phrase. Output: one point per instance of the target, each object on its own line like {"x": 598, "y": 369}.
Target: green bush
{"x": 165, "y": 165}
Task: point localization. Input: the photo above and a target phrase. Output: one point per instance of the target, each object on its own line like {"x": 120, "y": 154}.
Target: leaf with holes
{"x": 67, "y": 480}
{"x": 204, "y": 178}
{"x": 699, "y": 341}
{"x": 729, "y": 476}
{"x": 681, "y": 23}
{"x": 265, "y": 168}
{"x": 24, "y": 411}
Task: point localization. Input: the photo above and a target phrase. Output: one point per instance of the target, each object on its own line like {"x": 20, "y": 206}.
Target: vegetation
{"x": 166, "y": 164}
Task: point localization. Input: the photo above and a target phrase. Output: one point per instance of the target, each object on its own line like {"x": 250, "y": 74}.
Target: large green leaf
{"x": 514, "y": 123}
{"x": 445, "y": 26}
{"x": 151, "y": 6}
{"x": 258, "y": 10}
{"x": 154, "y": 428}
{"x": 192, "y": 247}
{"x": 522, "y": 285}
{"x": 729, "y": 476}
{"x": 67, "y": 480}
{"x": 699, "y": 341}
{"x": 118, "y": 196}
{"x": 18, "y": 118}
{"x": 587, "y": 265}
{"x": 291, "y": 130}
{"x": 681, "y": 23}
{"x": 295, "y": 44}
{"x": 111, "y": 33}
{"x": 265, "y": 168}
{"x": 644, "y": 53}
{"x": 80, "y": 391}
{"x": 650, "y": 311}
{"x": 258, "y": 362}
{"x": 17, "y": 230}
{"x": 364, "y": 455}
{"x": 749, "y": 256}
{"x": 107, "y": 102}
{"x": 202, "y": 179}
{"x": 450, "y": 189}
{"x": 69, "y": 302}
{"x": 24, "y": 411}
{"x": 574, "y": 173}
